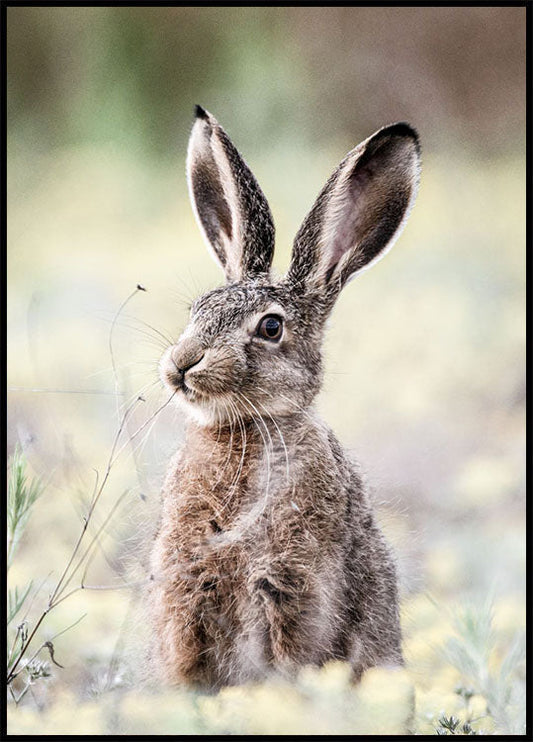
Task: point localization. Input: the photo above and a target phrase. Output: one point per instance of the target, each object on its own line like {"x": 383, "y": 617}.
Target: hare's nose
{"x": 186, "y": 354}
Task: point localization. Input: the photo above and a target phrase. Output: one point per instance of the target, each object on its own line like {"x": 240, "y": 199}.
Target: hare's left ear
{"x": 231, "y": 210}
{"x": 359, "y": 212}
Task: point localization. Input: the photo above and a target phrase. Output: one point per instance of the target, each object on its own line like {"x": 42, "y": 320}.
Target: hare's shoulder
{"x": 319, "y": 454}
{"x": 304, "y": 476}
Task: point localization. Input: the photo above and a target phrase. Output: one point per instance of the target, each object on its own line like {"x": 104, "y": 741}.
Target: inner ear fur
{"x": 360, "y": 211}
{"x": 231, "y": 210}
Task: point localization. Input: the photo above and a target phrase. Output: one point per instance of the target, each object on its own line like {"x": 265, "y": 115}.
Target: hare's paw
{"x": 277, "y": 586}
{"x": 270, "y": 593}
{"x": 284, "y": 604}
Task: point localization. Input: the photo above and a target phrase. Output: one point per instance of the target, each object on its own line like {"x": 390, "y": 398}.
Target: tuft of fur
{"x": 268, "y": 556}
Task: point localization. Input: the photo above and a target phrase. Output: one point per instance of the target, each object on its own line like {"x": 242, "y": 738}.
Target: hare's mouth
{"x": 196, "y": 391}
{"x": 175, "y": 379}
{"x": 184, "y": 382}
{"x": 205, "y": 409}
{"x": 178, "y": 383}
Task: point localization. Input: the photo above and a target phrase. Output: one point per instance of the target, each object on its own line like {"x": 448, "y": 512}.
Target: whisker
{"x": 235, "y": 481}
{"x": 140, "y": 392}
{"x": 282, "y": 439}
{"x": 166, "y": 337}
{"x": 228, "y": 457}
{"x": 260, "y": 506}
{"x": 185, "y": 296}
{"x": 154, "y": 365}
{"x": 287, "y": 399}
{"x": 153, "y": 338}
{"x": 139, "y": 447}
{"x": 259, "y": 417}
{"x": 142, "y": 427}
{"x": 110, "y": 339}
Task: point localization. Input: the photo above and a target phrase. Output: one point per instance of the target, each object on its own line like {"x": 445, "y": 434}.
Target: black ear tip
{"x": 402, "y": 129}
{"x": 199, "y": 112}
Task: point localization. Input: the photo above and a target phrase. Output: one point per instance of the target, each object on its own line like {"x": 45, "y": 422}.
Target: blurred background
{"x": 425, "y": 358}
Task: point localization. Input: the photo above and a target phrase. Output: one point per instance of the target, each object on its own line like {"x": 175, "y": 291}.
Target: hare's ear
{"x": 359, "y": 212}
{"x": 230, "y": 208}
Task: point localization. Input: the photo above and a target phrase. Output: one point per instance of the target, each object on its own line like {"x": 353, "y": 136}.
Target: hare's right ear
{"x": 231, "y": 210}
{"x": 359, "y": 212}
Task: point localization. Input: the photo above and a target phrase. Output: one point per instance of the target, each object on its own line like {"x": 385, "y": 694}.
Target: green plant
{"x": 22, "y": 495}
{"x": 489, "y": 669}
{"x": 452, "y": 725}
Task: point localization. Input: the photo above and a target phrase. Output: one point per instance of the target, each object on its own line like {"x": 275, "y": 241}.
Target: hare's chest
{"x": 239, "y": 580}
{"x": 226, "y": 549}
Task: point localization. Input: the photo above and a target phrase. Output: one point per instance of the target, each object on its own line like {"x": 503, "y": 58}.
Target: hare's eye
{"x": 270, "y": 327}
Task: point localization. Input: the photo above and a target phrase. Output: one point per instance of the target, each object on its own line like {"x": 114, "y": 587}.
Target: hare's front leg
{"x": 296, "y": 610}
{"x": 188, "y": 610}
{"x": 176, "y": 609}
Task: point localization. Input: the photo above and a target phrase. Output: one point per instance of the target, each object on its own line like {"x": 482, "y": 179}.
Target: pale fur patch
{"x": 198, "y": 149}
{"x": 203, "y": 147}
{"x": 338, "y": 205}
{"x": 233, "y": 247}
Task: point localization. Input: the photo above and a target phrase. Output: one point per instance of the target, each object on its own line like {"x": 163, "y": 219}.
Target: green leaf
{"x": 21, "y": 497}
{"x": 16, "y": 601}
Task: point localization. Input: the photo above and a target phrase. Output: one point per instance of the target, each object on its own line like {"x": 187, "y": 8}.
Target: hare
{"x": 268, "y": 556}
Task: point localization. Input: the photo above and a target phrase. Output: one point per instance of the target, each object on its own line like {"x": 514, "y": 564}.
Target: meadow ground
{"x": 425, "y": 382}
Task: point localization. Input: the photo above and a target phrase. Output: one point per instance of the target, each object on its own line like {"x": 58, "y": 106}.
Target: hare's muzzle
{"x": 178, "y": 360}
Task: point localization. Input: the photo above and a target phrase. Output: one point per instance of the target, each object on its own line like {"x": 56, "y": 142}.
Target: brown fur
{"x": 268, "y": 556}
{"x": 243, "y": 583}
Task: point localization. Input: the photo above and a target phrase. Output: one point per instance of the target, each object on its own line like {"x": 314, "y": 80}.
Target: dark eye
{"x": 270, "y": 327}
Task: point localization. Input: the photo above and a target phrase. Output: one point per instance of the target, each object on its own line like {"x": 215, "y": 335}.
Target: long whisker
{"x": 282, "y": 439}
{"x": 260, "y": 506}
{"x": 105, "y": 369}
{"x": 142, "y": 427}
{"x": 219, "y": 421}
{"x": 237, "y": 476}
{"x": 140, "y": 392}
{"x": 139, "y": 447}
{"x": 148, "y": 337}
{"x": 254, "y": 408}
{"x": 287, "y": 399}
{"x": 166, "y": 337}
{"x": 228, "y": 457}
{"x": 110, "y": 339}
{"x": 155, "y": 339}
{"x": 185, "y": 295}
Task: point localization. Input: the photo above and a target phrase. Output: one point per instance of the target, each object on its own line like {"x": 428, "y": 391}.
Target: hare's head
{"x": 253, "y": 346}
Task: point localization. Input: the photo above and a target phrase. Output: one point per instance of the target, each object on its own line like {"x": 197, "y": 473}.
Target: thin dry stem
{"x": 58, "y": 595}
